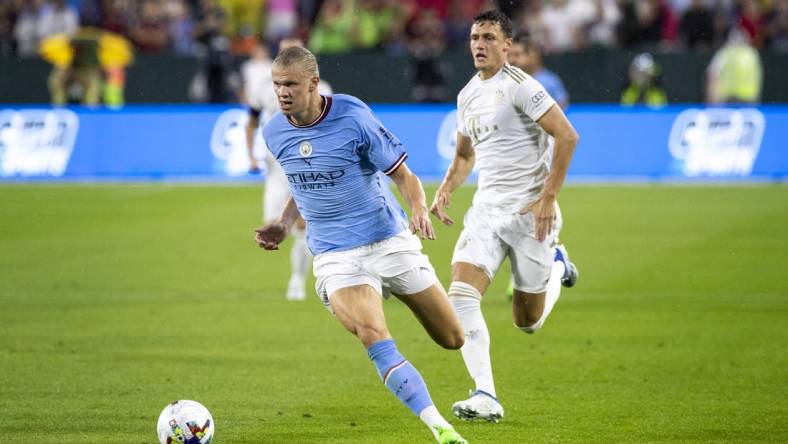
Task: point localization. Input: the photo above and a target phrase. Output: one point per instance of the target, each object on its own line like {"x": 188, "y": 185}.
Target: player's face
{"x": 293, "y": 87}
{"x": 488, "y": 46}
{"x": 522, "y": 57}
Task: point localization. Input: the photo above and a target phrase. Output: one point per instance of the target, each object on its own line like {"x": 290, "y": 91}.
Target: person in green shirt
{"x": 644, "y": 85}
{"x": 735, "y": 74}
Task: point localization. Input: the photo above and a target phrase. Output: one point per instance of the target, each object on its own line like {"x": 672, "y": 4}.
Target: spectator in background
{"x": 735, "y": 74}
{"x": 601, "y": 28}
{"x": 753, "y": 20}
{"x": 216, "y": 82}
{"x": 564, "y": 21}
{"x": 85, "y": 64}
{"x": 531, "y": 18}
{"x": 646, "y": 22}
{"x": 460, "y": 18}
{"x": 644, "y": 84}
{"x": 282, "y": 19}
{"x": 398, "y": 40}
{"x": 697, "y": 25}
{"x": 57, "y": 18}
{"x": 332, "y": 32}
{"x": 150, "y": 32}
{"x": 427, "y": 43}
{"x": 526, "y": 54}
{"x": 439, "y": 7}
{"x": 375, "y": 23}
{"x": 25, "y": 28}
{"x": 779, "y": 26}
{"x": 7, "y": 12}
{"x": 116, "y": 16}
{"x": 181, "y": 27}
{"x": 90, "y": 12}
{"x": 243, "y": 24}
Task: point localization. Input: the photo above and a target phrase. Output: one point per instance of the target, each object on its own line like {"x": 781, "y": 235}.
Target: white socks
{"x": 300, "y": 260}
{"x": 300, "y": 257}
{"x": 476, "y": 351}
{"x": 432, "y": 418}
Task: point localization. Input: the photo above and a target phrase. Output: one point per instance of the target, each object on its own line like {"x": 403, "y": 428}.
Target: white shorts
{"x": 275, "y": 194}
{"x": 487, "y": 239}
{"x": 392, "y": 266}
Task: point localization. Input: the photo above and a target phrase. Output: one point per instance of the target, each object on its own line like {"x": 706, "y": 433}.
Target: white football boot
{"x": 480, "y": 405}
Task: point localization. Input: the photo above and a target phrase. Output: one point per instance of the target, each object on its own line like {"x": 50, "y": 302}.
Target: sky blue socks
{"x": 400, "y": 376}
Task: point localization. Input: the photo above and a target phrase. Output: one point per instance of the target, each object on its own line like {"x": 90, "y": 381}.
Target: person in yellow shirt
{"x": 735, "y": 74}
{"x": 644, "y": 86}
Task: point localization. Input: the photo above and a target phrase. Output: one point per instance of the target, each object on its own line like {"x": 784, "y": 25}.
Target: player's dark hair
{"x": 297, "y": 55}
{"x": 528, "y": 41}
{"x": 498, "y": 17}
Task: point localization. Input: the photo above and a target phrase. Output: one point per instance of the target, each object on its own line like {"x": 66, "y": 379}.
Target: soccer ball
{"x": 187, "y": 422}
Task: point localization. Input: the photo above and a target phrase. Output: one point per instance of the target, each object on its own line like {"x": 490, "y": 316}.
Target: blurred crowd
{"x": 186, "y": 27}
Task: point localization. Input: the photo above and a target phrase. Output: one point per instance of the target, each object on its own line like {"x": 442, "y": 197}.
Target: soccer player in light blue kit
{"x": 332, "y": 150}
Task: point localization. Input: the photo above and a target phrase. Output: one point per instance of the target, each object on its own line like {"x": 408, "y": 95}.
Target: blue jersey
{"x": 332, "y": 170}
{"x": 553, "y": 85}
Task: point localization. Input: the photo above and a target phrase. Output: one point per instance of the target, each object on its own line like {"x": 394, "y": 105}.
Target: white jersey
{"x": 513, "y": 152}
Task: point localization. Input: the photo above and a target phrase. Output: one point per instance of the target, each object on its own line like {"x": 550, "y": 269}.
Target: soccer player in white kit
{"x": 505, "y": 124}
{"x": 262, "y": 101}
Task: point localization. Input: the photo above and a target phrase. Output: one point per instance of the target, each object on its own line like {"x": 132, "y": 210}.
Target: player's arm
{"x": 460, "y": 168}
{"x": 555, "y": 123}
{"x": 412, "y": 191}
{"x": 251, "y": 127}
{"x": 273, "y": 234}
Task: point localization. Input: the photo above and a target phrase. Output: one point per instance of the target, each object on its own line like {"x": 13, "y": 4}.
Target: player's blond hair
{"x": 298, "y": 55}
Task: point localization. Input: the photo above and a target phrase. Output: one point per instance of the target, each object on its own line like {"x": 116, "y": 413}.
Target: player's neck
{"x": 311, "y": 113}
{"x": 488, "y": 73}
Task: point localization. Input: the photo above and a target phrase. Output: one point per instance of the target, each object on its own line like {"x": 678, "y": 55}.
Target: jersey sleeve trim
{"x": 541, "y": 114}
{"x": 396, "y": 164}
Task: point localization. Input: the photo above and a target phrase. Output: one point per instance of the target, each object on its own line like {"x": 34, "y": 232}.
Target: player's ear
{"x": 313, "y": 83}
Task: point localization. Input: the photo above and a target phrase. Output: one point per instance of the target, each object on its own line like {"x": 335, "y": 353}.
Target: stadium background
{"x": 128, "y": 275}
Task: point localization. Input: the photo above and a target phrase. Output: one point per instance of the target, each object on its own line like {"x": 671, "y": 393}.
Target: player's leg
{"x": 274, "y": 199}
{"x": 407, "y": 273}
{"x": 432, "y": 308}
{"x": 537, "y": 277}
{"x": 468, "y": 284}
{"x": 359, "y": 309}
{"x": 477, "y": 256}
{"x": 300, "y": 261}
{"x": 539, "y": 270}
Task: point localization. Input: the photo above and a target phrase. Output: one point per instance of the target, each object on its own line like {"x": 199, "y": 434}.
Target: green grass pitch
{"x": 116, "y": 299}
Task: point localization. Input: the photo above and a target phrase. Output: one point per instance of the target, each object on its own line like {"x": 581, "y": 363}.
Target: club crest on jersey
{"x": 498, "y": 96}
{"x": 305, "y": 149}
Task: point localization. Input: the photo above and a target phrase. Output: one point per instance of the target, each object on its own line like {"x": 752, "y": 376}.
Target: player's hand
{"x": 270, "y": 236}
{"x": 420, "y": 223}
{"x": 439, "y": 204}
{"x": 544, "y": 215}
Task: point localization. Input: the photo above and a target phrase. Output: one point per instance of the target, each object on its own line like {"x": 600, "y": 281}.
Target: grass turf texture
{"x": 118, "y": 299}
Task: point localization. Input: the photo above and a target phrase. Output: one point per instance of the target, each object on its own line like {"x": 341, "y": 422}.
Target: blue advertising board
{"x": 207, "y": 142}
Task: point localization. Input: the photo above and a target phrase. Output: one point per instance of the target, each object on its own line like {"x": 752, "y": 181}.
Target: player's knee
{"x": 528, "y": 318}
{"x": 529, "y": 321}
{"x": 530, "y": 328}
{"x": 454, "y": 339}
{"x": 370, "y": 334}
